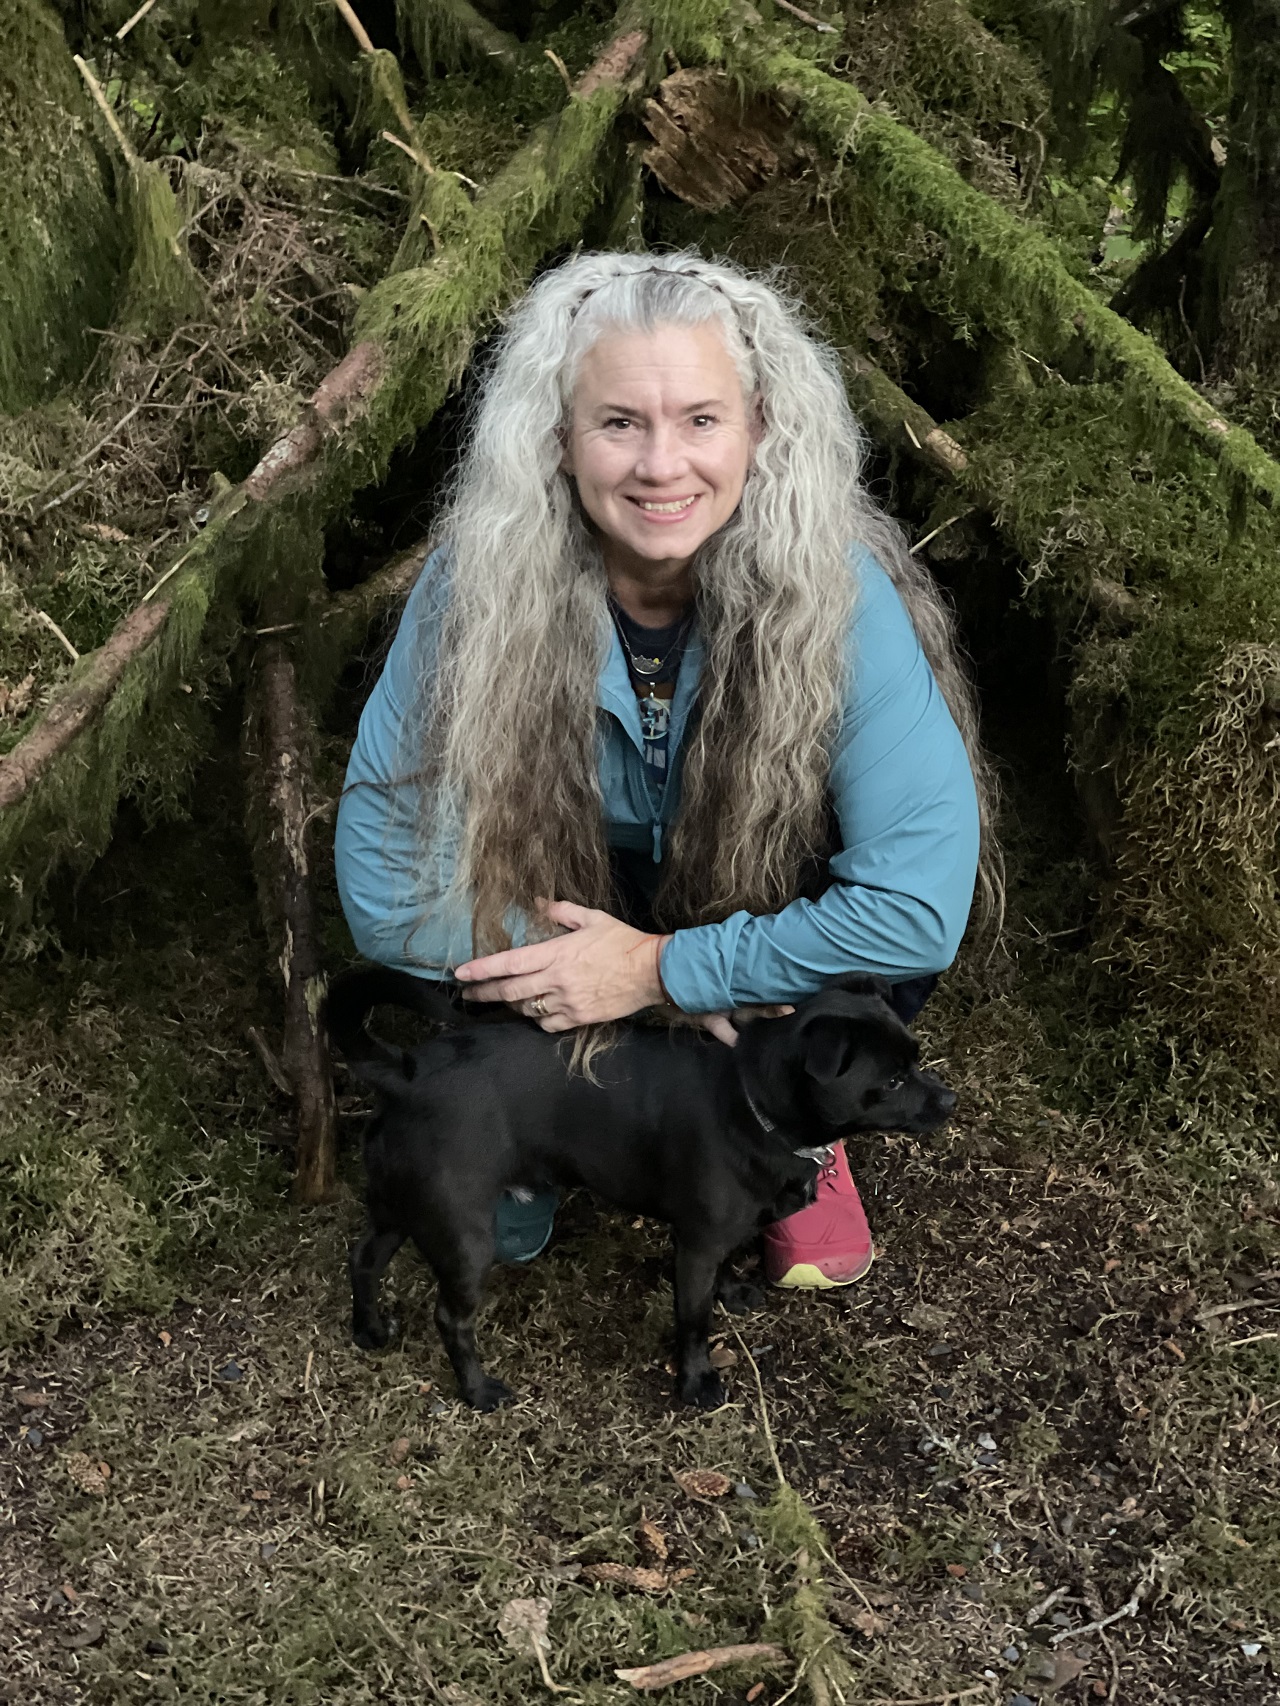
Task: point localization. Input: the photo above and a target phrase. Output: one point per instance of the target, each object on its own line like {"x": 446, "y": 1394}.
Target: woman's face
{"x": 660, "y": 441}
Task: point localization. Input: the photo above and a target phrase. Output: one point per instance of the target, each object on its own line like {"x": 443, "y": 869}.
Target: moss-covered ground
{"x": 1058, "y": 1381}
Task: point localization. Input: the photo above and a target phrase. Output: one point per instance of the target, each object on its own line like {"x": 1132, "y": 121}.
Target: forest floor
{"x": 1045, "y": 1406}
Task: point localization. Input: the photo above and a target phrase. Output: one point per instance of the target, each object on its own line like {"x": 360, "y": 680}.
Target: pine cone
{"x": 89, "y": 1476}
{"x": 704, "y": 1483}
{"x": 651, "y": 1541}
{"x": 627, "y": 1576}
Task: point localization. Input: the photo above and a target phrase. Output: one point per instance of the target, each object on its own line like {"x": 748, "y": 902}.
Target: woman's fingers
{"x": 720, "y": 1027}
{"x": 514, "y": 962}
{"x": 513, "y": 989}
{"x": 568, "y": 914}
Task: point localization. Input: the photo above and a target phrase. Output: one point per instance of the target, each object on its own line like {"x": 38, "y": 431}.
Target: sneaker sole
{"x": 804, "y": 1276}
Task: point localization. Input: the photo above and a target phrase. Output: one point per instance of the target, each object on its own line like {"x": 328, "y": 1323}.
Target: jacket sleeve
{"x": 394, "y": 889}
{"x": 907, "y": 807}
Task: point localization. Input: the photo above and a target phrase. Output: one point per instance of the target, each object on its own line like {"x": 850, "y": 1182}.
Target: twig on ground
{"x": 667, "y": 1671}
{"x": 764, "y": 1410}
{"x": 1253, "y": 1339}
{"x": 561, "y": 67}
{"x": 1235, "y": 1308}
{"x": 940, "y": 528}
{"x": 930, "y": 1699}
{"x": 1038, "y": 1611}
{"x": 1128, "y": 1609}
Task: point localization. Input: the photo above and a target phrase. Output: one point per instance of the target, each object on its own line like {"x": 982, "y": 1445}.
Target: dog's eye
{"x": 898, "y": 1082}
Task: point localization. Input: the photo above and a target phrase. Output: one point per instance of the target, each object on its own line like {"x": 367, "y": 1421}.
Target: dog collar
{"x": 820, "y": 1153}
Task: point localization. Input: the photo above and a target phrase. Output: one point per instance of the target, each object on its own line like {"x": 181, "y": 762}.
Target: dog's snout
{"x": 947, "y": 1100}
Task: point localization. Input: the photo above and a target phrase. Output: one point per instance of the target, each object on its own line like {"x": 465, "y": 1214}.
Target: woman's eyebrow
{"x": 685, "y": 408}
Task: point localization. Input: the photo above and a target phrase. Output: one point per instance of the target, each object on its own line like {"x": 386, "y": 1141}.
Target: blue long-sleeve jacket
{"x": 901, "y": 784}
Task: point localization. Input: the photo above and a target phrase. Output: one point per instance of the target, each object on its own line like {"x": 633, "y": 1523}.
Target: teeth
{"x": 666, "y": 509}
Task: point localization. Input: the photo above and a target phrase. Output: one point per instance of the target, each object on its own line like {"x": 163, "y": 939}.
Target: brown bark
{"x": 709, "y": 146}
{"x": 276, "y": 748}
{"x": 667, "y": 1671}
{"x": 79, "y": 701}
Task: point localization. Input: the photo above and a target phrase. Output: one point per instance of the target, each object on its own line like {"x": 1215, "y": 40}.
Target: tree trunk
{"x": 1243, "y": 296}
{"x": 276, "y": 750}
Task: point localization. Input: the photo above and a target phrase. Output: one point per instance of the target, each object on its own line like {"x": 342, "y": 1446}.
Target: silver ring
{"x": 539, "y": 1007}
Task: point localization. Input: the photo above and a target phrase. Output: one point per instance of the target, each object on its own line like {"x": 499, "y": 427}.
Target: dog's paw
{"x": 376, "y": 1335}
{"x": 705, "y": 1390}
{"x": 740, "y": 1297}
{"x": 489, "y": 1394}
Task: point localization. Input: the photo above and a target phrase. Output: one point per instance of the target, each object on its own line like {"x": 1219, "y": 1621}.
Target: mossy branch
{"x": 1010, "y": 275}
{"x": 414, "y": 338}
{"x": 453, "y": 33}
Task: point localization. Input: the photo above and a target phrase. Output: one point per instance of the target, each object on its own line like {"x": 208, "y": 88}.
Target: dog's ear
{"x": 864, "y": 983}
{"x": 830, "y": 1045}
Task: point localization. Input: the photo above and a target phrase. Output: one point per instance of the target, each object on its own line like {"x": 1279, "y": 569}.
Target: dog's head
{"x": 843, "y": 1062}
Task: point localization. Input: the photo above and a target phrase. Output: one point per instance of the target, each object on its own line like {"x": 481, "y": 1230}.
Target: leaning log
{"x": 1009, "y": 275}
{"x": 282, "y": 806}
{"x": 413, "y": 340}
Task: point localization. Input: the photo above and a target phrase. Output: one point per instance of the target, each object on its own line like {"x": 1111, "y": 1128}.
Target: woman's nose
{"x": 662, "y": 456}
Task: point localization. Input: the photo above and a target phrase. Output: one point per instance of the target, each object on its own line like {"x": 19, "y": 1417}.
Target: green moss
{"x": 60, "y": 248}
{"x": 258, "y": 101}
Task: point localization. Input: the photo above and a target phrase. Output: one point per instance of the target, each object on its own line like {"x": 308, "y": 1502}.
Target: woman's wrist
{"x": 660, "y": 943}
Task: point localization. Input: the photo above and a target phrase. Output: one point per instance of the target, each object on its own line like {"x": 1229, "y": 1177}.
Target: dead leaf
{"x": 1066, "y": 1668}
{"x": 651, "y": 1541}
{"x": 927, "y": 1318}
{"x": 403, "y": 1483}
{"x": 722, "y": 1357}
{"x": 260, "y": 1494}
{"x": 667, "y": 1671}
{"x": 703, "y": 1483}
{"x": 166, "y": 1339}
{"x": 1111, "y": 1264}
{"x": 103, "y": 530}
{"x": 633, "y": 1576}
{"x": 522, "y": 1623}
{"x": 754, "y": 1693}
{"x": 69, "y": 1593}
{"x": 424, "y": 1386}
{"x": 1174, "y": 1349}
{"x": 868, "y": 1623}
{"x": 958, "y": 1570}
{"x": 33, "y": 1400}
{"x": 399, "y": 1450}
{"x": 88, "y": 1475}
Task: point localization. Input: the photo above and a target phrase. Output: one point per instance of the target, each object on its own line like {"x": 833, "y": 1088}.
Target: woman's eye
{"x": 618, "y": 421}
{"x": 704, "y": 420}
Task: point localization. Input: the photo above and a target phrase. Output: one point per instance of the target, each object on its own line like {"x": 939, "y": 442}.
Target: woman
{"x": 669, "y": 665}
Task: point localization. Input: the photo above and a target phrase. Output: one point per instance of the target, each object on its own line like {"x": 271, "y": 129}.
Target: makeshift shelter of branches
{"x": 271, "y": 290}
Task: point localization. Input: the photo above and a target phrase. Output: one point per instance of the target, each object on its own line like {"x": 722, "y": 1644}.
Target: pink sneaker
{"x": 826, "y": 1244}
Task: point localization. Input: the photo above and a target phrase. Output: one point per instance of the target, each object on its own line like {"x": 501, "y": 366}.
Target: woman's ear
{"x": 565, "y": 437}
{"x": 755, "y": 420}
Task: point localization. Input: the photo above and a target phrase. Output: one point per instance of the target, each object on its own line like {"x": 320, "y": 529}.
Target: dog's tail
{"x": 352, "y": 997}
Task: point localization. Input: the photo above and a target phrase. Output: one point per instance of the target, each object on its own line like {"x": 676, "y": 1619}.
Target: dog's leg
{"x": 461, "y": 1260}
{"x": 695, "y": 1288}
{"x": 739, "y": 1296}
{"x": 368, "y": 1263}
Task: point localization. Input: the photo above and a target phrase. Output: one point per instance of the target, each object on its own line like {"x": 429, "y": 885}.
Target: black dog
{"x": 715, "y": 1141}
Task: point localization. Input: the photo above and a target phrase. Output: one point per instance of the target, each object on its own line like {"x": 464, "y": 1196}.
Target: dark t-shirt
{"x": 645, "y": 649}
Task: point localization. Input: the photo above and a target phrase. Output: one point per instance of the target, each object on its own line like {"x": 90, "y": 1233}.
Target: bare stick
{"x": 276, "y": 750}
{"x": 104, "y": 107}
{"x": 667, "y": 1671}
{"x": 941, "y": 528}
{"x": 1038, "y": 1611}
{"x": 275, "y": 1072}
{"x": 137, "y": 18}
{"x": 764, "y": 1411}
{"x": 1128, "y": 1609}
{"x": 562, "y": 68}
{"x": 419, "y": 160}
{"x": 358, "y": 30}
{"x": 52, "y": 626}
{"x": 807, "y": 18}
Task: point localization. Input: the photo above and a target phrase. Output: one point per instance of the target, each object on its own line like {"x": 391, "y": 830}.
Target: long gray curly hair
{"x": 527, "y": 622}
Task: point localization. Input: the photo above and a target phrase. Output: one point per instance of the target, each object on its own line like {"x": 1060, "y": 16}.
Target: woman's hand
{"x": 600, "y": 969}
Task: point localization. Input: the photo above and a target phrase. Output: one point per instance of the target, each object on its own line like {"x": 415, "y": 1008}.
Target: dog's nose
{"x": 946, "y": 1100}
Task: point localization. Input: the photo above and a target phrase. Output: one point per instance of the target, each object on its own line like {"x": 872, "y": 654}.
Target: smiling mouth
{"x": 675, "y": 507}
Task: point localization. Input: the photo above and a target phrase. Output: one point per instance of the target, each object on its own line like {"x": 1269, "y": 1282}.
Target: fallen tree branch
{"x": 415, "y": 335}
{"x": 276, "y": 752}
{"x": 1009, "y": 274}
{"x": 667, "y": 1671}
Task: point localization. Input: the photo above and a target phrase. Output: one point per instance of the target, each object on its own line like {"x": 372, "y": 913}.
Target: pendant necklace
{"x": 655, "y": 713}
